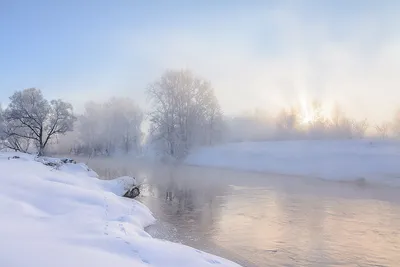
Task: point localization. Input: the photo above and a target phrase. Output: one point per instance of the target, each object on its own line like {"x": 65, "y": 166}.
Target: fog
{"x": 184, "y": 114}
{"x": 257, "y": 56}
{"x": 308, "y": 90}
{"x": 251, "y": 217}
{"x": 266, "y": 57}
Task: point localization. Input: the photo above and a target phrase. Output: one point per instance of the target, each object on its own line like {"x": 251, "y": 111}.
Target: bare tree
{"x": 359, "y": 128}
{"x": 215, "y": 127}
{"x": 340, "y": 126}
{"x": 14, "y": 138}
{"x": 114, "y": 125}
{"x": 185, "y": 112}
{"x": 318, "y": 127}
{"x": 31, "y": 118}
{"x": 91, "y": 129}
{"x": 124, "y": 119}
{"x": 383, "y": 129}
{"x": 396, "y": 124}
{"x": 2, "y": 128}
{"x": 1, "y": 122}
{"x": 287, "y": 123}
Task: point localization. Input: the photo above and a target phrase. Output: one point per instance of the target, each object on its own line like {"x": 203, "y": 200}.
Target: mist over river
{"x": 267, "y": 220}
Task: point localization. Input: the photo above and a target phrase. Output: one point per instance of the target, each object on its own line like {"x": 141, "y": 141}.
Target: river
{"x": 267, "y": 220}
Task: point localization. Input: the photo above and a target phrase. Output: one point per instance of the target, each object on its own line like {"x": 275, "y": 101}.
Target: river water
{"x": 268, "y": 220}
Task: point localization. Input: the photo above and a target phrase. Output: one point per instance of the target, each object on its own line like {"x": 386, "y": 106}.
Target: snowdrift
{"x": 62, "y": 215}
{"x": 343, "y": 160}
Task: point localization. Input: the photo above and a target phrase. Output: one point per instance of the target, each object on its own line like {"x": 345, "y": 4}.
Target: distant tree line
{"x": 184, "y": 114}
{"x": 289, "y": 124}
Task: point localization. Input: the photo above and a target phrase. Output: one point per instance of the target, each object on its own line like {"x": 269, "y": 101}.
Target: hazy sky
{"x": 257, "y": 54}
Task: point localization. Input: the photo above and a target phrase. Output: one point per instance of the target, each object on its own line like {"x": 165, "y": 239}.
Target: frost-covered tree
{"x": 318, "y": 127}
{"x": 2, "y": 125}
{"x": 1, "y": 122}
{"x": 13, "y": 142}
{"x": 287, "y": 124}
{"x": 30, "y": 118}
{"x": 383, "y": 129}
{"x": 396, "y": 124}
{"x": 184, "y": 113}
{"x": 105, "y": 128}
{"x": 359, "y": 128}
{"x": 125, "y": 119}
{"x": 67, "y": 143}
{"x": 14, "y": 138}
{"x": 90, "y": 128}
{"x": 340, "y": 126}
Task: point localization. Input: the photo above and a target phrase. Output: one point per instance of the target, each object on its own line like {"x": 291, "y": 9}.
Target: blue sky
{"x": 257, "y": 54}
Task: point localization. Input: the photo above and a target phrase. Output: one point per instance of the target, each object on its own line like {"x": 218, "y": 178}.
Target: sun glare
{"x": 310, "y": 113}
{"x": 307, "y": 119}
{"x": 306, "y": 114}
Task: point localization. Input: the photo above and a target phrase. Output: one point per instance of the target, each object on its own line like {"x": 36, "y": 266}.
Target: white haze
{"x": 268, "y": 59}
{"x": 259, "y": 58}
{"x": 348, "y": 72}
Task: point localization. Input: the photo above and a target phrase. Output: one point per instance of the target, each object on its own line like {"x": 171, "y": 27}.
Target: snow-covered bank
{"x": 66, "y": 217}
{"x": 344, "y": 160}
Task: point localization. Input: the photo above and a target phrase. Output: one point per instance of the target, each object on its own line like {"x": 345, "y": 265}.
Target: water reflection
{"x": 191, "y": 205}
{"x": 304, "y": 230}
{"x": 261, "y": 220}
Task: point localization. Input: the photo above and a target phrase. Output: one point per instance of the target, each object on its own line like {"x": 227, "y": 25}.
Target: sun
{"x": 307, "y": 119}
{"x": 311, "y": 112}
{"x": 306, "y": 112}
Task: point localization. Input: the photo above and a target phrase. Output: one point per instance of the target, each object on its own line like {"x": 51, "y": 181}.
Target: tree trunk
{"x": 41, "y": 151}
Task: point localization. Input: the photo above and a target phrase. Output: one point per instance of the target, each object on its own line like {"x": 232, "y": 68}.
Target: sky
{"x": 257, "y": 54}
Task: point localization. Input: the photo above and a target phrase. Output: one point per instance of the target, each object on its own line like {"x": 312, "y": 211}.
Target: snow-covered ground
{"x": 375, "y": 161}
{"x": 66, "y": 217}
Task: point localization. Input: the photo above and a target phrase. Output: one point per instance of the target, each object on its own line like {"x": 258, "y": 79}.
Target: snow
{"x": 66, "y": 217}
{"x": 374, "y": 161}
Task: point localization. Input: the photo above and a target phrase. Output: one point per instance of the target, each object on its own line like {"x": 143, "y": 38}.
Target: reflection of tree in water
{"x": 189, "y": 202}
{"x": 185, "y": 197}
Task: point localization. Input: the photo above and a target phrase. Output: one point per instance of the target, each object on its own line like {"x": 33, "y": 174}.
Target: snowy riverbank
{"x": 343, "y": 160}
{"x": 67, "y": 217}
